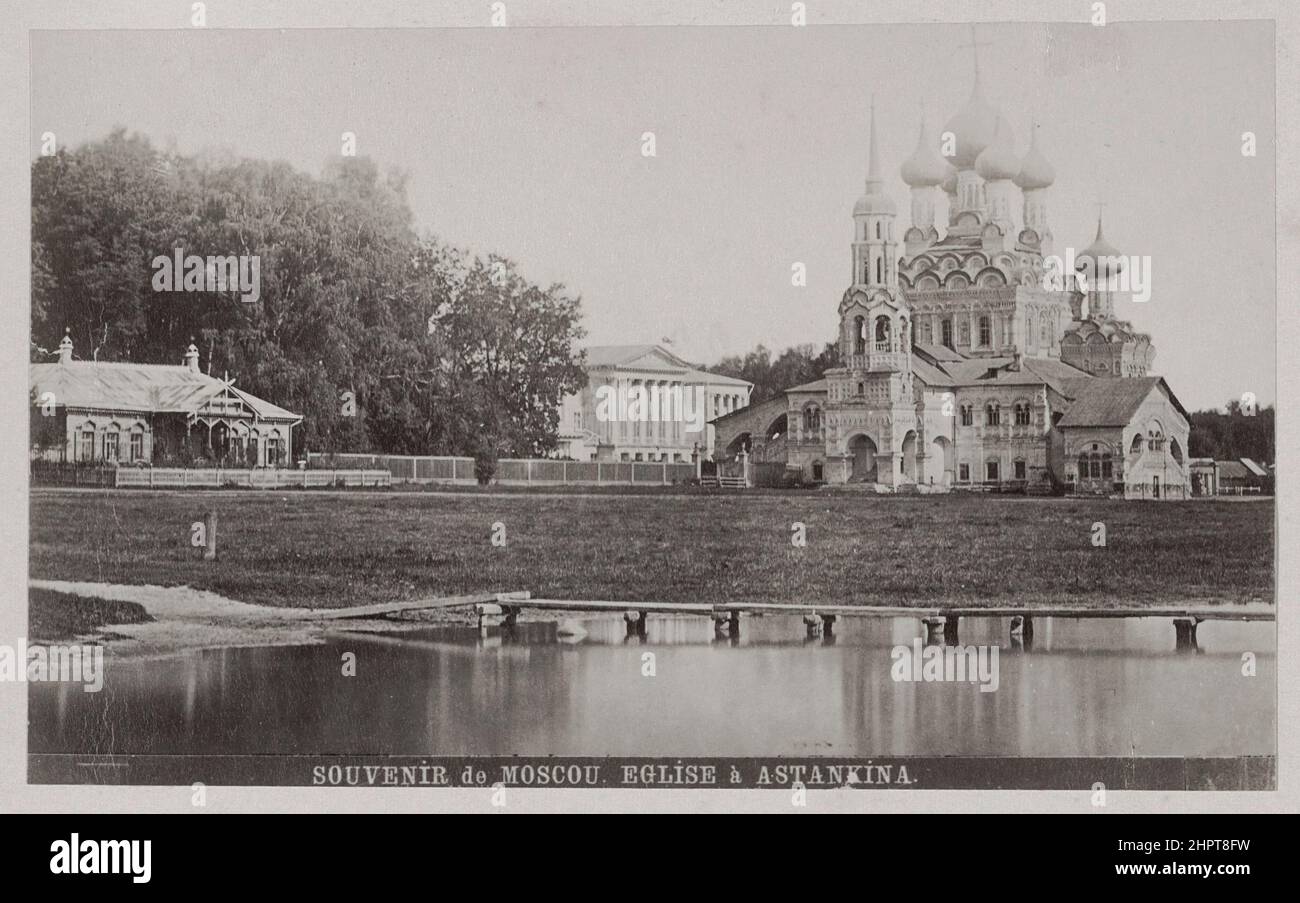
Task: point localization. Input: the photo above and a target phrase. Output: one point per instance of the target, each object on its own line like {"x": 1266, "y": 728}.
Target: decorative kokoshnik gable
{"x": 127, "y": 413}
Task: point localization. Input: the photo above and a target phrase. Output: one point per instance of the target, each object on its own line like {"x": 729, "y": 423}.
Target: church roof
{"x": 1110, "y": 401}
{"x": 817, "y": 385}
{"x": 144, "y": 388}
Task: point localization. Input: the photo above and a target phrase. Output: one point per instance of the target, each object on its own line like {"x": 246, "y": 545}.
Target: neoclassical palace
{"x": 961, "y": 363}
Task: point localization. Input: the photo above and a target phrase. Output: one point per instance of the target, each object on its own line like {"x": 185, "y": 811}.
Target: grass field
{"x": 329, "y": 550}
{"x": 56, "y": 617}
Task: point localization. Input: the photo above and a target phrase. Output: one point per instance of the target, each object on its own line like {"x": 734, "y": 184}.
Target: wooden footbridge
{"x": 498, "y": 610}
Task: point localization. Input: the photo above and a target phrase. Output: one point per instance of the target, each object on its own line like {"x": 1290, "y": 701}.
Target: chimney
{"x": 192, "y": 358}
{"x": 65, "y": 349}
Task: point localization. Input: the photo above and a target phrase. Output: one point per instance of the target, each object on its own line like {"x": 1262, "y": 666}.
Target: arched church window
{"x": 1176, "y": 450}
{"x": 1044, "y": 331}
{"x": 879, "y": 277}
{"x": 967, "y": 415}
{"x": 812, "y": 418}
{"x": 1107, "y": 466}
{"x": 947, "y": 333}
{"x": 986, "y": 332}
{"x": 862, "y": 388}
{"x": 927, "y": 332}
{"x": 859, "y": 336}
{"x": 965, "y": 332}
{"x": 1136, "y": 445}
{"x": 1022, "y": 413}
{"x": 877, "y": 228}
{"x": 882, "y": 329}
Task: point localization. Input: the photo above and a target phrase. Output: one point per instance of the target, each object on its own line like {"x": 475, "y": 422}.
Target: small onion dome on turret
{"x": 926, "y": 167}
{"x": 1035, "y": 171}
{"x": 1100, "y": 257}
{"x": 998, "y": 160}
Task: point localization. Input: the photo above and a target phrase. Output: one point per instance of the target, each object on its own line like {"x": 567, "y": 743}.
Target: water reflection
{"x": 1077, "y": 688}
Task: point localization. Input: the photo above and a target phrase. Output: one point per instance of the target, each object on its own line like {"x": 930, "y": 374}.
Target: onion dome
{"x": 1101, "y": 257}
{"x": 998, "y": 160}
{"x": 926, "y": 167}
{"x": 1035, "y": 171}
{"x": 874, "y": 199}
{"x": 974, "y": 126}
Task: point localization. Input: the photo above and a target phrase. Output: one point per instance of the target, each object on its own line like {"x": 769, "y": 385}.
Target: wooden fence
{"x": 512, "y": 471}
{"x": 210, "y": 478}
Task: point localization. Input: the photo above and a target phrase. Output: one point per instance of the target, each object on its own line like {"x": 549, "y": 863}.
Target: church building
{"x": 961, "y": 362}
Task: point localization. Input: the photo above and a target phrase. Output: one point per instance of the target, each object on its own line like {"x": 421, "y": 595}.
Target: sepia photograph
{"x": 801, "y": 406}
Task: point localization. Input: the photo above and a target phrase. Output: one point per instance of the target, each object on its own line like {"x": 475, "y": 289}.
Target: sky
{"x": 528, "y": 143}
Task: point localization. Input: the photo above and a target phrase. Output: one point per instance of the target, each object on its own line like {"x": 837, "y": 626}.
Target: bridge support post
{"x": 489, "y": 616}
{"x": 635, "y": 622}
{"x": 1185, "y": 634}
{"x": 1022, "y": 632}
{"x": 950, "y": 630}
{"x": 828, "y": 625}
{"x": 934, "y": 630}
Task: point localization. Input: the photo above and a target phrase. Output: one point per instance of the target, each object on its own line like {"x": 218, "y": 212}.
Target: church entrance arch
{"x": 909, "y": 456}
{"x": 863, "y": 452}
{"x": 940, "y": 465}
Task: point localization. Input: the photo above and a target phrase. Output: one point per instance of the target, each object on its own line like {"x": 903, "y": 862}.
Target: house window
{"x": 967, "y": 415}
{"x": 274, "y": 450}
{"x": 946, "y": 326}
{"x": 993, "y": 415}
{"x": 1107, "y": 466}
{"x": 991, "y": 470}
{"x": 110, "y": 446}
{"x": 253, "y": 451}
{"x": 963, "y": 472}
{"x": 986, "y": 332}
{"x": 86, "y": 445}
{"x": 625, "y": 457}
{"x": 1019, "y": 469}
{"x": 1022, "y": 414}
{"x": 137, "y": 446}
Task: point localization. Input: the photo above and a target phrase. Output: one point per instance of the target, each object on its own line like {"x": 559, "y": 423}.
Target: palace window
{"x": 992, "y": 415}
{"x": 967, "y": 414}
{"x": 947, "y": 333}
{"x": 986, "y": 332}
{"x": 991, "y": 470}
{"x": 1019, "y": 469}
{"x": 86, "y": 445}
{"x": 1022, "y": 414}
{"x": 963, "y": 472}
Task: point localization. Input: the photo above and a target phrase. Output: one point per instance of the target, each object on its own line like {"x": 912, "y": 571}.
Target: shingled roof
{"x": 143, "y": 388}
{"x": 1107, "y": 401}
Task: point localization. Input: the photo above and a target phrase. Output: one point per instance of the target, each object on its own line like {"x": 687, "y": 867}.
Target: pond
{"x": 1094, "y": 687}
